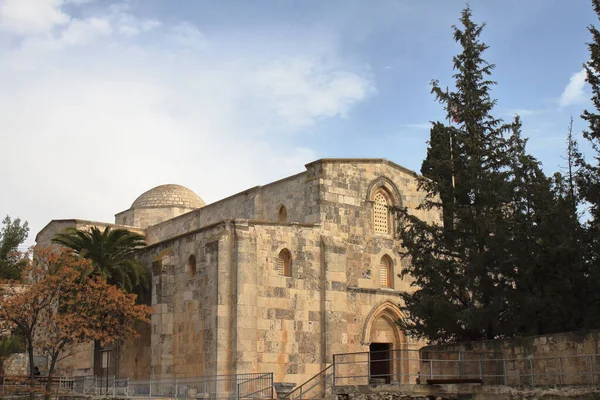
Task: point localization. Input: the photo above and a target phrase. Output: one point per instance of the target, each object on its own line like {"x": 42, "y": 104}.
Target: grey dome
{"x": 168, "y": 196}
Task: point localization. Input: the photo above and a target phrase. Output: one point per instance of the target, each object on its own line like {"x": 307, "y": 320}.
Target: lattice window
{"x": 284, "y": 263}
{"x": 385, "y": 272}
{"x": 381, "y": 218}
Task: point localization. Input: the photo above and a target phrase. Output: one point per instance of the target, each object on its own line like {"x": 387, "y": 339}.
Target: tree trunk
{"x": 48, "y": 389}
{"x": 31, "y": 369}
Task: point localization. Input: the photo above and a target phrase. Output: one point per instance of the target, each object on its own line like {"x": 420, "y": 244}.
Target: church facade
{"x": 277, "y": 278}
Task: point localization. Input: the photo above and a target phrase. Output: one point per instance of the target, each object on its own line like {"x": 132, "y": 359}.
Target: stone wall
{"x": 277, "y": 318}
{"x": 45, "y": 236}
{"x": 132, "y": 357}
{"x": 258, "y": 203}
{"x": 562, "y": 358}
{"x": 184, "y": 329}
{"x": 236, "y": 313}
{"x": 298, "y": 193}
{"x": 461, "y": 391}
{"x": 148, "y": 216}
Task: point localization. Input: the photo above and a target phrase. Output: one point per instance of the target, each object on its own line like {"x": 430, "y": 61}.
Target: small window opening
{"x": 192, "y": 265}
{"x": 282, "y": 215}
{"x": 284, "y": 263}
{"x": 385, "y": 272}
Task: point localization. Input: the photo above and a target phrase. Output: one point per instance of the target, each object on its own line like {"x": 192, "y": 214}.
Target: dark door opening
{"x": 380, "y": 366}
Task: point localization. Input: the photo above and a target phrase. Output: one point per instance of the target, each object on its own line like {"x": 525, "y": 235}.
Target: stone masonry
{"x": 223, "y": 305}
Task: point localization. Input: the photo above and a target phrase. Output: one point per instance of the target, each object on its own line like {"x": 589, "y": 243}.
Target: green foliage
{"x": 112, "y": 252}
{"x": 12, "y": 234}
{"x": 8, "y": 346}
{"x": 587, "y": 175}
{"x": 496, "y": 265}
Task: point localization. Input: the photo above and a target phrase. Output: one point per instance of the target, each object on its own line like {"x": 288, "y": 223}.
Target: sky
{"x": 102, "y": 100}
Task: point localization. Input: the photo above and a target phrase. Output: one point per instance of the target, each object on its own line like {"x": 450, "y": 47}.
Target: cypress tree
{"x": 588, "y": 175}
{"x": 507, "y": 257}
{"x": 465, "y": 178}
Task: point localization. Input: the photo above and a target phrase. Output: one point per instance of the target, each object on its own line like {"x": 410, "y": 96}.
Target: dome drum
{"x": 168, "y": 196}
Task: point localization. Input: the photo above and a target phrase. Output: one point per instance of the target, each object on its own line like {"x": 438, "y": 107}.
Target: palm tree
{"x": 112, "y": 251}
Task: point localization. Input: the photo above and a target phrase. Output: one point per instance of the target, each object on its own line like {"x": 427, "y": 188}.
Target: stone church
{"x": 277, "y": 278}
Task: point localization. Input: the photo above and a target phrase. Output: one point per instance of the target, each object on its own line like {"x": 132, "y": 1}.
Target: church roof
{"x": 169, "y": 196}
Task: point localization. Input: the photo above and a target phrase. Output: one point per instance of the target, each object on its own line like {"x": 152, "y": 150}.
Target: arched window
{"x": 284, "y": 263}
{"x": 282, "y": 215}
{"x": 381, "y": 217}
{"x": 386, "y": 275}
{"x": 192, "y": 265}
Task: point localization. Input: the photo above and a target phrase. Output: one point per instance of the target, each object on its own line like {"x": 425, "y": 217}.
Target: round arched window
{"x": 284, "y": 263}
{"x": 282, "y": 215}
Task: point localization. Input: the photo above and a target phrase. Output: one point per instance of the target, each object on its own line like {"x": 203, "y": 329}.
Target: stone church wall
{"x": 297, "y": 193}
{"x": 278, "y": 318}
{"x": 184, "y": 326}
{"x": 236, "y": 314}
{"x": 347, "y": 220}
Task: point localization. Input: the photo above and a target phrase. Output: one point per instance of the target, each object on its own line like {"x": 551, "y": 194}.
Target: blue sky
{"x": 102, "y": 100}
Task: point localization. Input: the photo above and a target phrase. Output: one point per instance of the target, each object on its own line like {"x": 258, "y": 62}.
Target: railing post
{"x": 114, "y": 384}
{"x": 504, "y": 377}
{"x": 430, "y": 368}
{"x": 176, "y": 389}
{"x": 561, "y": 379}
{"x": 333, "y": 380}
{"x": 592, "y": 369}
{"x": 368, "y": 367}
{"x": 150, "y": 388}
{"x": 480, "y": 367}
{"x": 531, "y": 371}
{"x": 237, "y": 393}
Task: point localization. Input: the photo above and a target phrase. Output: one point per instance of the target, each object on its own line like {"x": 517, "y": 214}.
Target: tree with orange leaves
{"x": 59, "y": 304}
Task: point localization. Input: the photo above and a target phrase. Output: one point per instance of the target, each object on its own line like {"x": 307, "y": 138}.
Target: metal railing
{"x": 256, "y": 387}
{"x": 314, "y": 388}
{"x": 414, "y": 366}
{"x": 240, "y": 386}
{"x": 22, "y": 384}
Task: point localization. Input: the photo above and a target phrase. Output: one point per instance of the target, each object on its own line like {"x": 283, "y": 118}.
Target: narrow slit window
{"x": 385, "y": 272}
{"x": 192, "y": 265}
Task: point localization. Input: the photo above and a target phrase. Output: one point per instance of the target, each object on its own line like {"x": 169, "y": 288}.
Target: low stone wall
{"x": 560, "y": 359}
{"x": 459, "y": 392}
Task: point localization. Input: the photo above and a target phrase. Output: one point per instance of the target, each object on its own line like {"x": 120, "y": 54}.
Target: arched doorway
{"x": 387, "y": 358}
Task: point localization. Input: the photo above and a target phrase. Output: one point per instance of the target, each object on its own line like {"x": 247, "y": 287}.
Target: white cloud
{"x": 574, "y": 91}
{"x": 186, "y": 34}
{"x": 25, "y": 17}
{"x": 301, "y": 90}
{"x": 84, "y": 31}
{"x": 101, "y": 108}
{"x": 422, "y": 126}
